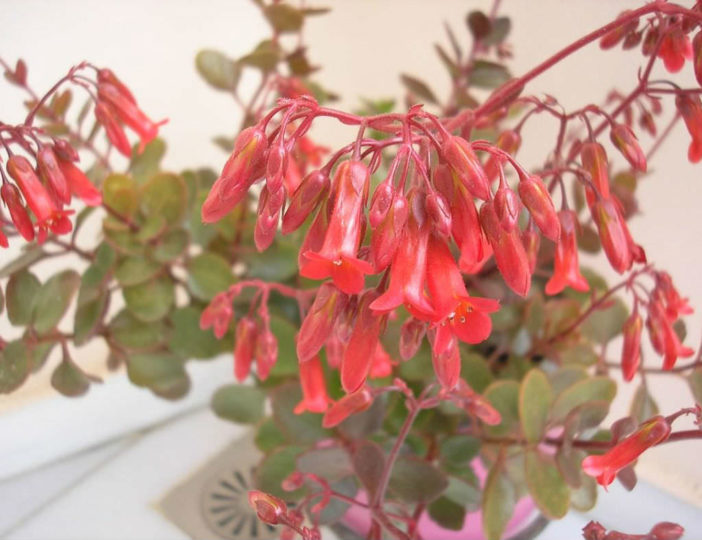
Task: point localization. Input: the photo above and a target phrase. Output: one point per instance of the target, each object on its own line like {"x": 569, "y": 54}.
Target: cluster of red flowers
{"x": 45, "y": 174}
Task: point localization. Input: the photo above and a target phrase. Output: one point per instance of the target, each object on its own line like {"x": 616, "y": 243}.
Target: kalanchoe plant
{"x": 410, "y": 305}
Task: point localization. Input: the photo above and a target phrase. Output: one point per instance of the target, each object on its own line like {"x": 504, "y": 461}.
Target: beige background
{"x": 363, "y": 45}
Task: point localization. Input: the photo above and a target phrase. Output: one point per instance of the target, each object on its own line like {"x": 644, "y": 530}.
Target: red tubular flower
{"x": 313, "y": 188}
{"x": 38, "y": 199}
{"x": 456, "y": 313}
{"x": 115, "y": 134}
{"x": 314, "y": 388}
{"x": 79, "y": 184}
{"x": 245, "y": 341}
{"x": 675, "y": 305}
{"x": 631, "y": 350}
{"x": 107, "y": 76}
{"x": 348, "y": 405}
{"x": 605, "y": 467}
{"x": 53, "y": 176}
{"x": 624, "y": 139}
{"x": 407, "y": 273}
{"x": 337, "y": 257}
{"x": 18, "y": 213}
{"x": 3, "y": 240}
{"x": 64, "y": 151}
{"x": 690, "y": 108}
{"x": 314, "y": 239}
{"x": 245, "y": 165}
{"x": 319, "y": 321}
{"x": 276, "y": 167}
{"x": 358, "y": 357}
{"x": 509, "y": 141}
{"x": 218, "y": 314}
{"x": 381, "y": 201}
{"x": 466, "y": 166}
{"x": 594, "y": 160}
{"x": 465, "y": 226}
{"x": 663, "y": 337}
{"x": 566, "y": 271}
{"x": 510, "y": 255}
{"x": 537, "y": 200}
{"x": 385, "y": 238}
{"x": 675, "y": 49}
{"x": 611, "y": 227}
{"x": 697, "y": 57}
{"x": 129, "y": 113}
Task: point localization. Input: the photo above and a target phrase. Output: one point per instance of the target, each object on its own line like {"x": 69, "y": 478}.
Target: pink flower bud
{"x": 594, "y": 160}
{"x": 631, "y": 350}
{"x": 466, "y": 166}
{"x": 348, "y": 405}
{"x": 18, "y": 213}
{"x": 380, "y": 203}
{"x": 106, "y": 76}
{"x": 509, "y": 141}
{"x": 245, "y": 165}
{"x": 244, "y": 347}
{"x": 386, "y": 236}
{"x": 667, "y": 531}
{"x": 439, "y": 213}
{"x": 411, "y": 336}
{"x": 269, "y": 207}
{"x": 269, "y": 509}
{"x": 266, "y": 352}
{"x": 52, "y": 175}
{"x": 218, "y": 314}
{"x": 64, "y": 151}
{"x": 612, "y": 38}
{"x": 566, "y": 267}
{"x": 625, "y": 141}
{"x": 532, "y": 242}
{"x": 314, "y": 239}
{"x": 319, "y": 321}
{"x": 507, "y": 207}
{"x": 276, "y": 166}
{"x": 447, "y": 364}
{"x": 510, "y": 256}
{"x": 304, "y": 200}
{"x": 610, "y": 226}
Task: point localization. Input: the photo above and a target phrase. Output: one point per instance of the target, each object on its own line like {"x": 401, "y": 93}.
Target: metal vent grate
{"x": 226, "y": 509}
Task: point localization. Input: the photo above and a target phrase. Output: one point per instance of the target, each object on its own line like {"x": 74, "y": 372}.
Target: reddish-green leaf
{"x": 535, "y": 398}
{"x": 419, "y": 88}
{"x": 546, "y": 485}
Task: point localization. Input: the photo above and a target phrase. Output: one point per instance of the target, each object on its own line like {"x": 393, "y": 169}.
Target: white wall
{"x": 363, "y": 45}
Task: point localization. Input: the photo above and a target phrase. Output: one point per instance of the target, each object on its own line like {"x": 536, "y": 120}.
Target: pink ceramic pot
{"x": 358, "y": 519}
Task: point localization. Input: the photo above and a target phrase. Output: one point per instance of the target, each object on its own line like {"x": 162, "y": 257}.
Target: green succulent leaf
{"x": 21, "y": 292}
{"x": 239, "y": 403}
{"x": 53, "y": 299}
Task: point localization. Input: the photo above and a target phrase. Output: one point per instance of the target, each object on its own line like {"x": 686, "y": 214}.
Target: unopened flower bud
{"x": 218, "y": 315}
{"x": 266, "y": 352}
{"x": 439, "y": 213}
{"x": 631, "y": 350}
{"x": 613, "y": 37}
{"x": 507, "y": 207}
{"x": 269, "y": 509}
{"x": 380, "y": 203}
{"x": 466, "y": 166}
{"x": 304, "y": 200}
{"x": 594, "y": 160}
{"x": 386, "y": 236}
{"x": 319, "y": 321}
{"x": 347, "y": 406}
{"x": 79, "y": 184}
{"x": 509, "y": 141}
{"x": 269, "y": 207}
{"x": 276, "y": 166}
{"x": 50, "y": 172}
{"x": 690, "y": 108}
{"x": 64, "y": 151}
{"x": 115, "y": 133}
{"x": 624, "y": 139}
{"x": 613, "y": 237}
{"x": 411, "y": 336}
{"x": 18, "y": 213}
{"x": 244, "y": 347}
{"x": 532, "y": 242}
{"x": 314, "y": 387}
{"x": 667, "y": 531}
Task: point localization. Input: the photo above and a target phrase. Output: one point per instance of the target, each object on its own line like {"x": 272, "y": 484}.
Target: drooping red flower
{"x": 465, "y": 166}
{"x": 631, "y": 349}
{"x": 270, "y": 205}
{"x": 675, "y": 49}
{"x": 18, "y": 213}
{"x": 447, "y": 363}
{"x": 362, "y": 345}
{"x": 53, "y": 176}
{"x": 690, "y": 108}
{"x": 269, "y": 509}
{"x": 613, "y": 236}
{"x": 319, "y": 322}
{"x": 48, "y": 215}
{"x": 510, "y": 256}
{"x": 386, "y": 237}
{"x": 79, "y": 184}
{"x": 107, "y": 118}
{"x": 507, "y": 206}
{"x": 129, "y": 112}
{"x": 348, "y": 405}
{"x": 456, "y": 312}
{"x": 314, "y": 388}
{"x": 675, "y": 304}
{"x": 594, "y": 159}
{"x": 266, "y": 352}
{"x": 407, "y": 272}
{"x": 338, "y": 256}
{"x": 663, "y": 337}
{"x": 605, "y": 467}
{"x": 624, "y": 139}
{"x": 245, "y": 165}
{"x": 566, "y": 268}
